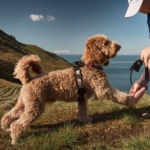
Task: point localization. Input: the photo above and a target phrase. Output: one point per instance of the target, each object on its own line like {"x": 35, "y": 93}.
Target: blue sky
{"x": 65, "y": 25}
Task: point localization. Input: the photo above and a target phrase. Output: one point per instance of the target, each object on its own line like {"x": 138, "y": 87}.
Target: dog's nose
{"x": 118, "y": 47}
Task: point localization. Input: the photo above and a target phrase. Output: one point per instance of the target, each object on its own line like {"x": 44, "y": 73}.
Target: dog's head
{"x": 100, "y": 49}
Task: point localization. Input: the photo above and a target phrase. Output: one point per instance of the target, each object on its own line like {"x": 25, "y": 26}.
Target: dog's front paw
{"x": 5, "y": 122}
{"x": 3, "y": 125}
{"x": 13, "y": 142}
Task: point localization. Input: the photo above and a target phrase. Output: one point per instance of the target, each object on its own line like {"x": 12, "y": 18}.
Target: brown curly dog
{"x": 61, "y": 85}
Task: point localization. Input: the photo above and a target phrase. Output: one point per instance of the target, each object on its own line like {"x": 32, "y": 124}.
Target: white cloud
{"x": 50, "y": 18}
{"x": 35, "y": 17}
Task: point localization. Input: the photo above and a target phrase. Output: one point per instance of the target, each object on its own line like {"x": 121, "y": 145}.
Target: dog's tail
{"x": 21, "y": 70}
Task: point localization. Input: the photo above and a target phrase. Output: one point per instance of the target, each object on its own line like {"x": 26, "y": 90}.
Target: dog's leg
{"x": 83, "y": 111}
{"x": 32, "y": 110}
{"x": 104, "y": 90}
{"x": 12, "y": 115}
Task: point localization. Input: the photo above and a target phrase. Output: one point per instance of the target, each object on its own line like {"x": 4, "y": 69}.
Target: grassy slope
{"x": 5, "y": 83}
{"x": 11, "y": 51}
{"x": 114, "y": 127}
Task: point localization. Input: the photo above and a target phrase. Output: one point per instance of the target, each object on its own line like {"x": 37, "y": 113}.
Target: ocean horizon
{"x": 118, "y": 71}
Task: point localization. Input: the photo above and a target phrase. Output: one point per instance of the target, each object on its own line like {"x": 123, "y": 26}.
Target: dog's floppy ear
{"x": 106, "y": 63}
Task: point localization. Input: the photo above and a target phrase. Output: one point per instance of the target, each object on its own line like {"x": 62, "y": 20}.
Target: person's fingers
{"x": 131, "y": 90}
{"x": 145, "y": 55}
{"x": 144, "y": 59}
{"x": 138, "y": 95}
{"x": 134, "y": 88}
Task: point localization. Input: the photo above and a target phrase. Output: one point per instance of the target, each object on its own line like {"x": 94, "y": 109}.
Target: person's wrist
{"x": 142, "y": 82}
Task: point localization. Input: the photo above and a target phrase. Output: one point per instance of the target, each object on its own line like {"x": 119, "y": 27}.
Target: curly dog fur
{"x": 61, "y": 85}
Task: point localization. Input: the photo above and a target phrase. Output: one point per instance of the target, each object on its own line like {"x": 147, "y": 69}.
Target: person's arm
{"x": 141, "y": 82}
{"x": 145, "y": 55}
{"x": 139, "y": 87}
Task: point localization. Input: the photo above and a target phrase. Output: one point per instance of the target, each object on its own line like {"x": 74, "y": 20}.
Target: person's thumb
{"x": 134, "y": 88}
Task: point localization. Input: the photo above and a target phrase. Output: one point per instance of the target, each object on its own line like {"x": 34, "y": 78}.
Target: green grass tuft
{"x": 136, "y": 143}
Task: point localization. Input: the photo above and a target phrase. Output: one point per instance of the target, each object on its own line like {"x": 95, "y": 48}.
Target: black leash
{"x": 136, "y": 66}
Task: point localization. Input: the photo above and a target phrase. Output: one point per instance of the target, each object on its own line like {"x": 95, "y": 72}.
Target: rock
{"x": 146, "y": 115}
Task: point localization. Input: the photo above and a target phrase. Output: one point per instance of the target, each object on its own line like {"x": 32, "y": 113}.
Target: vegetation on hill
{"x": 11, "y": 51}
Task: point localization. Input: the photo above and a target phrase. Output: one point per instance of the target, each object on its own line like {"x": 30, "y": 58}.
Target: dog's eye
{"x": 106, "y": 43}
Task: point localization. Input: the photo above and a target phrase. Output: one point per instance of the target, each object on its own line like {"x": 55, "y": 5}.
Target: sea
{"x": 118, "y": 71}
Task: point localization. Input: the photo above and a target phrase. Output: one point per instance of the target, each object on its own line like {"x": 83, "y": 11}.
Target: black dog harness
{"x": 136, "y": 66}
{"x": 78, "y": 76}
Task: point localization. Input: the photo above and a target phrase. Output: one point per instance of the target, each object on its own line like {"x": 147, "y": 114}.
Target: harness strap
{"x": 78, "y": 77}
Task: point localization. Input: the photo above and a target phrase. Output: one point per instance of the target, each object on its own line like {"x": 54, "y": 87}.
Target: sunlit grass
{"x": 136, "y": 143}
{"x": 63, "y": 137}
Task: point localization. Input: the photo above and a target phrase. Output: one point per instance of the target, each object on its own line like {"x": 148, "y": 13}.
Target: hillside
{"x": 12, "y": 50}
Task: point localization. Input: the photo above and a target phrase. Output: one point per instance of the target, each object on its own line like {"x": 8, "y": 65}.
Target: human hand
{"x": 135, "y": 87}
{"x": 137, "y": 92}
{"x": 145, "y": 55}
{"x": 138, "y": 95}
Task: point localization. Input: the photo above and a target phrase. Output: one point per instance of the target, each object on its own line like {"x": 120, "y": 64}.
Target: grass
{"x": 136, "y": 143}
{"x": 6, "y": 83}
{"x": 63, "y": 137}
{"x": 114, "y": 127}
